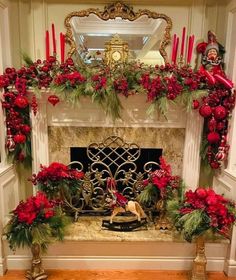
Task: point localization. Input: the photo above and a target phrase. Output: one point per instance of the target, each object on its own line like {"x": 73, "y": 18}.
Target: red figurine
{"x": 212, "y": 61}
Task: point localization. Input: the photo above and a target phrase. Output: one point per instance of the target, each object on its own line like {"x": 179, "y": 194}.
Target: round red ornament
{"x": 21, "y": 102}
{"x": 53, "y": 99}
{"x": 25, "y": 129}
{"x": 195, "y": 104}
{"x": 19, "y": 138}
{"x": 212, "y": 123}
{"x": 205, "y": 111}
{"x": 213, "y": 137}
{"x": 220, "y": 112}
{"x": 21, "y": 156}
{"x": 221, "y": 125}
{"x": 214, "y": 164}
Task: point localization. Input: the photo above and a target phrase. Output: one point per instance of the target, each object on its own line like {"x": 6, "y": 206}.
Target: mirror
{"x": 118, "y": 33}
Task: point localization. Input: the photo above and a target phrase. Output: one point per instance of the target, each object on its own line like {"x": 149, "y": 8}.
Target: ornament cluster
{"x": 216, "y": 109}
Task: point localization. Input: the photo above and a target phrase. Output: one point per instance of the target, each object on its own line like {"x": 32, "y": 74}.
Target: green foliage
{"x": 149, "y": 195}
{"x": 186, "y": 98}
{"x": 112, "y": 104}
{"x": 20, "y": 234}
{"x": 27, "y": 59}
{"x": 193, "y": 224}
{"x": 173, "y": 209}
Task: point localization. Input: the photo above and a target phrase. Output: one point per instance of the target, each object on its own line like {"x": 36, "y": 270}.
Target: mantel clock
{"x": 116, "y": 51}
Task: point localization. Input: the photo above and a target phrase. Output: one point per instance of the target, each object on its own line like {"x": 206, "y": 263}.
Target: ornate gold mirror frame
{"x": 122, "y": 11}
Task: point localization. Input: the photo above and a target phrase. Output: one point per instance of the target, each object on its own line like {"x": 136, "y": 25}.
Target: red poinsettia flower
{"x": 51, "y": 178}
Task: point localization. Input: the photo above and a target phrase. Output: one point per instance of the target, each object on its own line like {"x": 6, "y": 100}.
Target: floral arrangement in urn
{"x": 36, "y": 223}
{"x": 160, "y": 184}
{"x": 203, "y": 210}
{"x": 57, "y": 180}
{"x": 160, "y": 187}
{"x": 36, "y": 220}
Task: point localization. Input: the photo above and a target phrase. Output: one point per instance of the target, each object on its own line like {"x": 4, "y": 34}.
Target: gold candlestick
{"x": 199, "y": 263}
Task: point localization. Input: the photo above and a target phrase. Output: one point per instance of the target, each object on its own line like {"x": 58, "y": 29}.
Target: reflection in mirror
{"x": 145, "y": 32}
{"x": 143, "y": 37}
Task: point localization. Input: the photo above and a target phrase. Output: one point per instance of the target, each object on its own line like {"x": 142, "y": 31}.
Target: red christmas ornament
{"x": 220, "y": 112}
{"x": 25, "y": 129}
{"x": 205, "y": 111}
{"x": 220, "y": 125}
{"x": 212, "y": 124}
{"x": 221, "y": 154}
{"x": 21, "y": 156}
{"x": 34, "y": 105}
{"x": 213, "y": 137}
{"x": 19, "y": 138}
{"x": 53, "y": 99}
{"x": 10, "y": 144}
{"x": 214, "y": 164}
{"x": 21, "y": 102}
{"x": 195, "y": 104}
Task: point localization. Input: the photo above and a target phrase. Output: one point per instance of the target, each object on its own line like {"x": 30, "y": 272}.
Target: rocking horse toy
{"x": 121, "y": 204}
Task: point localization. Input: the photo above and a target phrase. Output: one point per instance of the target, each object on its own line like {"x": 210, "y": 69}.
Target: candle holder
{"x": 199, "y": 263}
{"x": 36, "y": 272}
{"x": 181, "y": 61}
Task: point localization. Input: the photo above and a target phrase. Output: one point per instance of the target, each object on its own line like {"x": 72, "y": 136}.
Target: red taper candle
{"x": 189, "y": 47}
{"x": 191, "y": 50}
{"x": 183, "y": 42}
{"x": 62, "y": 40}
{"x": 54, "y": 40}
{"x": 176, "y": 49}
{"x": 173, "y": 49}
{"x": 47, "y": 45}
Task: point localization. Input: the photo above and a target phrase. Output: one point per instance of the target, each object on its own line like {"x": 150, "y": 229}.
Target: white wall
{"x": 34, "y": 17}
{"x": 226, "y": 181}
{"x": 9, "y": 196}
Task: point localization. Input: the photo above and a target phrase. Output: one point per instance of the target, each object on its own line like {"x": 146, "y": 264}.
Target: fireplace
{"x": 55, "y": 130}
{"x": 63, "y": 140}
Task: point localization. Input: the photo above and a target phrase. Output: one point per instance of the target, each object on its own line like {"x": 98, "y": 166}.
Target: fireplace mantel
{"x": 88, "y": 114}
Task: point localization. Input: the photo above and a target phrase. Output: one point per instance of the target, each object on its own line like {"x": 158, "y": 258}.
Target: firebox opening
{"x": 146, "y": 155}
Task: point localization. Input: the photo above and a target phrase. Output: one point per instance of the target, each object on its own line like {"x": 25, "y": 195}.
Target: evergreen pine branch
{"x": 193, "y": 224}
{"x": 149, "y": 195}
{"x": 27, "y": 59}
{"x": 41, "y": 234}
{"x": 112, "y": 104}
{"x": 163, "y": 105}
{"x": 173, "y": 207}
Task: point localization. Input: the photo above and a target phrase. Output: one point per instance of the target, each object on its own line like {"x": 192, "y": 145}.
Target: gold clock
{"x": 116, "y": 51}
{"x": 116, "y": 55}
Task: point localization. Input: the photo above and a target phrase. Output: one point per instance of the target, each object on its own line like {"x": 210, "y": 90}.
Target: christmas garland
{"x": 161, "y": 84}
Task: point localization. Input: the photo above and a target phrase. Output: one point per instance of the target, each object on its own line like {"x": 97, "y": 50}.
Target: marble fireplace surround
{"x": 55, "y": 129}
